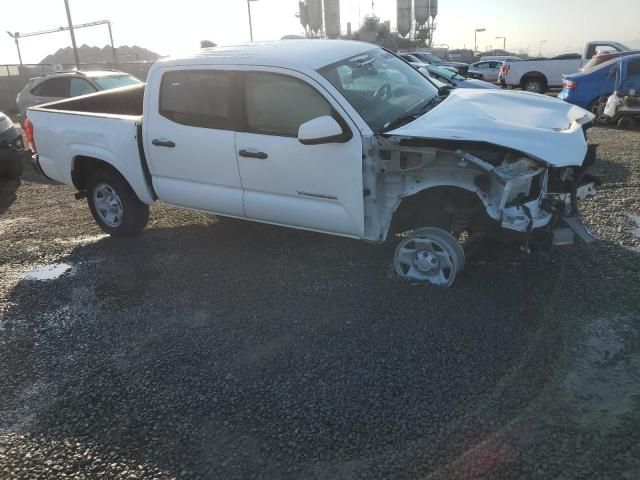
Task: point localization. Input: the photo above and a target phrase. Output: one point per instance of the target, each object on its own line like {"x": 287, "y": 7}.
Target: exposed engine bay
{"x": 471, "y": 186}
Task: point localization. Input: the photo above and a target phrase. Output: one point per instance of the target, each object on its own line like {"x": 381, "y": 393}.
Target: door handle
{"x": 253, "y": 154}
{"x": 161, "y": 142}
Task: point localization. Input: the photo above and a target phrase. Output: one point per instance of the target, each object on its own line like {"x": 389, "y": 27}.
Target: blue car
{"x": 592, "y": 88}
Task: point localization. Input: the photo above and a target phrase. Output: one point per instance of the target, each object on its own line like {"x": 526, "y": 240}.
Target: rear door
{"x": 190, "y": 139}
{"x": 315, "y": 187}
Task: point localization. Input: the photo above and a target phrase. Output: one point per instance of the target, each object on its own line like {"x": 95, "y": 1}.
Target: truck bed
{"x": 120, "y": 101}
{"x": 104, "y": 126}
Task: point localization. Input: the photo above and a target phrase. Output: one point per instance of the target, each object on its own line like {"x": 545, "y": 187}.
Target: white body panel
{"x": 552, "y": 70}
{"x": 201, "y": 171}
{"x": 550, "y": 130}
{"x": 62, "y": 136}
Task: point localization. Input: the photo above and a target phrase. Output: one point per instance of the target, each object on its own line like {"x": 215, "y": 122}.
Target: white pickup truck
{"x": 338, "y": 137}
{"x": 538, "y": 75}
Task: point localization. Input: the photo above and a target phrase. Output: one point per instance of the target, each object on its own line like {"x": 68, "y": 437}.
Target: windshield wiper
{"x": 415, "y": 113}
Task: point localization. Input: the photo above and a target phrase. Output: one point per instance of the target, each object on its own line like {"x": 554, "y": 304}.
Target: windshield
{"x": 380, "y": 86}
{"x": 108, "y": 83}
{"x": 446, "y": 73}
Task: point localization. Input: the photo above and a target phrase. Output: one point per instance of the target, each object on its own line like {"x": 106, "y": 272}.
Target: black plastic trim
{"x": 143, "y": 162}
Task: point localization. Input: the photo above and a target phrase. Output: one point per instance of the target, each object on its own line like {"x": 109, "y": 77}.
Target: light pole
{"x": 73, "y": 36}
{"x": 541, "y": 43}
{"x": 475, "y": 43}
{"x": 504, "y": 42}
{"x": 16, "y": 37}
{"x": 249, "y": 10}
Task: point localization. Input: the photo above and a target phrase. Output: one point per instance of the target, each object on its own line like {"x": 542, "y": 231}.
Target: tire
{"x": 114, "y": 205}
{"x": 429, "y": 255}
{"x": 597, "y": 108}
{"x": 534, "y": 85}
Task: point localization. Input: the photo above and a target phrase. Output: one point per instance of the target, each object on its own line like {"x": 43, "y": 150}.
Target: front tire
{"x": 429, "y": 255}
{"x": 114, "y": 205}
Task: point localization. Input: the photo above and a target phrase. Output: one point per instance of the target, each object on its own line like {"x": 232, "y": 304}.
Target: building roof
{"x": 311, "y": 53}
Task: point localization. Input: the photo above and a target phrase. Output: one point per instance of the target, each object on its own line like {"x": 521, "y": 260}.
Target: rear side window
{"x": 633, "y": 68}
{"x": 80, "y": 86}
{"x": 199, "y": 98}
{"x": 278, "y": 104}
{"x": 54, "y": 87}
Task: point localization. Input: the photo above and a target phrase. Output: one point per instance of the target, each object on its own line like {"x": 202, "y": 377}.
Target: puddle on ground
{"x": 605, "y": 377}
{"x": 47, "y": 272}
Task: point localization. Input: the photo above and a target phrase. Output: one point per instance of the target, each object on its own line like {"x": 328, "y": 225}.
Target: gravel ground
{"x": 224, "y": 349}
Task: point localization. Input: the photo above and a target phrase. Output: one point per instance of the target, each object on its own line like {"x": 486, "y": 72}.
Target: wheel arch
{"x": 412, "y": 211}
{"x": 83, "y": 164}
{"x": 534, "y": 74}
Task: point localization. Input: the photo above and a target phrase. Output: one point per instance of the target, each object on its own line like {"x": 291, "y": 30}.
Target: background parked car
{"x": 456, "y": 80}
{"x": 500, "y": 58}
{"x": 604, "y": 58}
{"x": 540, "y": 74}
{"x": 56, "y": 86}
{"x": 431, "y": 59}
{"x": 591, "y": 89}
{"x": 487, "y": 70}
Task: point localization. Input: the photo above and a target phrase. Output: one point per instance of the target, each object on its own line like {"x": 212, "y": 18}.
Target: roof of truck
{"x": 312, "y": 53}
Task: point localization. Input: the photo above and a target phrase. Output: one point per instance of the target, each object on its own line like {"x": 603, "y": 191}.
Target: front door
{"x": 315, "y": 187}
{"x": 190, "y": 140}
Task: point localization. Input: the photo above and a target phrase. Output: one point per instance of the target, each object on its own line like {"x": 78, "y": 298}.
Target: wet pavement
{"x": 224, "y": 349}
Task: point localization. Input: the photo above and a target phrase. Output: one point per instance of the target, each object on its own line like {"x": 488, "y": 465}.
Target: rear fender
{"x": 130, "y": 171}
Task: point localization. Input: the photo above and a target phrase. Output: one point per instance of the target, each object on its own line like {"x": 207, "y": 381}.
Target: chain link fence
{"x": 13, "y": 78}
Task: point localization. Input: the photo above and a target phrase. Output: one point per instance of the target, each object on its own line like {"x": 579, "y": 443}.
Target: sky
{"x": 173, "y": 27}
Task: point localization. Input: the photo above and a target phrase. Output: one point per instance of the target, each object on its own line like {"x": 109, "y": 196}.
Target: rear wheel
{"x": 534, "y": 84}
{"x": 114, "y": 205}
{"x": 430, "y": 255}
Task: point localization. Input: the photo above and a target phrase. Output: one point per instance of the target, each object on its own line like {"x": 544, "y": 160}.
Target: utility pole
{"x": 16, "y": 38}
{"x": 113, "y": 48}
{"x": 542, "y": 42}
{"x": 475, "y": 44}
{"x": 504, "y": 42}
{"x": 73, "y": 36}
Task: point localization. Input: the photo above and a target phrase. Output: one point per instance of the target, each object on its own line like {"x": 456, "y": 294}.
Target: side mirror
{"x": 321, "y": 130}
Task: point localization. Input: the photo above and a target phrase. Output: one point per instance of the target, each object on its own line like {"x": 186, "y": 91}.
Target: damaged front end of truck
{"x": 471, "y": 188}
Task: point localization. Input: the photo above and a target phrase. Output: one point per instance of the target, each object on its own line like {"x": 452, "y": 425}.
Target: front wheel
{"x": 114, "y": 205}
{"x": 430, "y": 255}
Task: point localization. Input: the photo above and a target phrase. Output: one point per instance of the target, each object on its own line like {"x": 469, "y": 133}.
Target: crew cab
{"x": 333, "y": 136}
{"x": 540, "y": 74}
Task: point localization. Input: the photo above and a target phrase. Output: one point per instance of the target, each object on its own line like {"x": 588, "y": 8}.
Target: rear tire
{"x": 114, "y": 205}
{"x": 534, "y": 85}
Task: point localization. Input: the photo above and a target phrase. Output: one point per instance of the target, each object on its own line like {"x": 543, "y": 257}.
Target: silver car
{"x": 56, "y": 86}
{"x": 487, "y": 71}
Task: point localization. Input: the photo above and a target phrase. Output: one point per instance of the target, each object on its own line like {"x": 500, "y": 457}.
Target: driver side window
{"x": 278, "y": 104}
